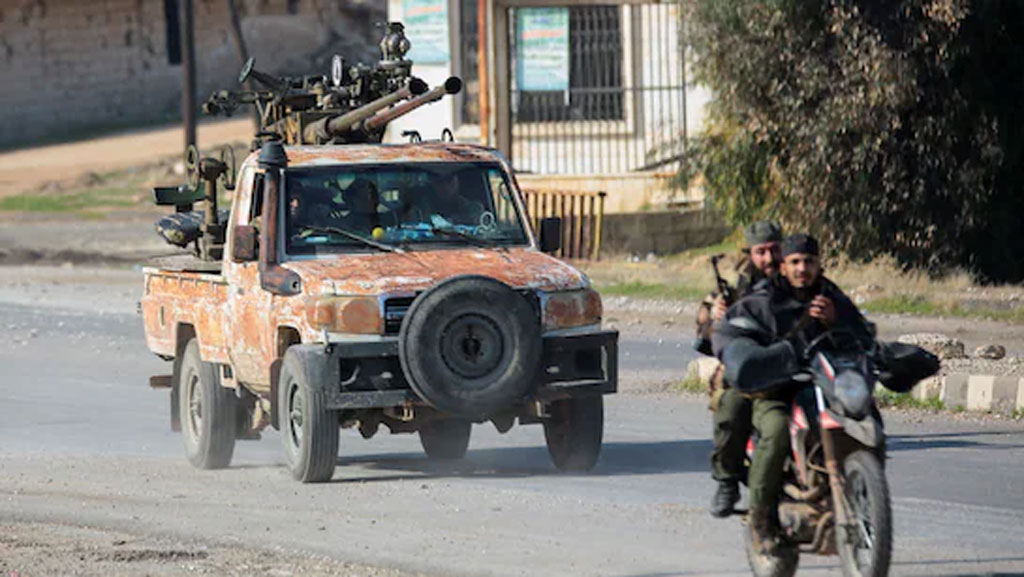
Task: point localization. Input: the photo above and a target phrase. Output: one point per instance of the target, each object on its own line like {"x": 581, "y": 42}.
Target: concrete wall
{"x": 661, "y": 232}
{"x": 70, "y": 66}
{"x": 635, "y": 192}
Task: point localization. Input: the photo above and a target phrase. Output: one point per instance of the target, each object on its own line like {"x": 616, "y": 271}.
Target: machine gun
{"x": 353, "y": 105}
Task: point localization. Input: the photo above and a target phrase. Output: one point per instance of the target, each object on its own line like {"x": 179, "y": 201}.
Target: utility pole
{"x": 188, "y": 57}
{"x": 243, "y": 51}
{"x": 482, "y": 77}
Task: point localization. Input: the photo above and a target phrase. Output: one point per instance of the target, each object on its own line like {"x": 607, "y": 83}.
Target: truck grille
{"x": 394, "y": 311}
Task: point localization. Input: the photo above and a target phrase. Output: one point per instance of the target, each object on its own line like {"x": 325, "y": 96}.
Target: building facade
{"x": 572, "y": 88}
{"x": 71, "y": 67}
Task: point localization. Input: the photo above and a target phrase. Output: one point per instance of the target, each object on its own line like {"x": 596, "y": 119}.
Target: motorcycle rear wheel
{"x": 865, "y": 546}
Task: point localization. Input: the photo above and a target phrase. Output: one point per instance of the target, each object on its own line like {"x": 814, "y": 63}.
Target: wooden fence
{"x": 582, "y": 214}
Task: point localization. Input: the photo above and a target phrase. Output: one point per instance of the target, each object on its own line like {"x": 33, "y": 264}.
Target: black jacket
{"x": 755, "y": 339}
{"x": 748, "y": 276}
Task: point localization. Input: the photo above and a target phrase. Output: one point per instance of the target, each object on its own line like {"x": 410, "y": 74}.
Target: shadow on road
{"x": 617, "y": 459}
{"x": 959, "y": 440}
{"x": 980, "y": 575}
{"x": 934, "y": 562}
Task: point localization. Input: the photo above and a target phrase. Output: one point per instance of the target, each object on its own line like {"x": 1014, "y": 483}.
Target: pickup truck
{"x": 366, "y": 285}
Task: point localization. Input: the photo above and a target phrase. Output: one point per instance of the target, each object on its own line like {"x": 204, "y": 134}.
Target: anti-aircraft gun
{"x": 353, "y": 105}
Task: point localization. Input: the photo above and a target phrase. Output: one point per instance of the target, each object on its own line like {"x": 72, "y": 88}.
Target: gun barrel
{"x": 451, "y": 86}
{"x": 326, "y": 128}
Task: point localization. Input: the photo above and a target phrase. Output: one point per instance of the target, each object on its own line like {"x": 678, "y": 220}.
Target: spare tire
{"x": 470, "y": 346}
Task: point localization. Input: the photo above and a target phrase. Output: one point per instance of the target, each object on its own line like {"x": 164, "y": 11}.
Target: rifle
{"x": 725, "y": 290}
{"x": 702, "y": 344}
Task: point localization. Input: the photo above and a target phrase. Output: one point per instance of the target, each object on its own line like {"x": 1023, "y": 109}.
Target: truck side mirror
{"x": 550, "y": 234}
{"x": 245, "y": 243}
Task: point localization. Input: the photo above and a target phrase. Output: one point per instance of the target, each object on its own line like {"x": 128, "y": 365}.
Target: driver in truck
{"x": 454, "y": 199}
{"x": 761, "y": 341}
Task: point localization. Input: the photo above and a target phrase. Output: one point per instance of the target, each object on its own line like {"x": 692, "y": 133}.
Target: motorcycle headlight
{"x": 567, "y": 309}
{"x": 360, "y": 315}
{"x": 853, "y": 393}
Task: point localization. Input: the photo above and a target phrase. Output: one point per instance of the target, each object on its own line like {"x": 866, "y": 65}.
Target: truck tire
{"x": 446, "y": 440}
{"x": 574, "y": 431}
{"x": 470, "y": 347}
{"x": 309, "y": 430}
{"x": 207, "y": 412}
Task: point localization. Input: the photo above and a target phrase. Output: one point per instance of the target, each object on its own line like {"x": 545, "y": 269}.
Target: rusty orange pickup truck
{"x": 368, "y": 285}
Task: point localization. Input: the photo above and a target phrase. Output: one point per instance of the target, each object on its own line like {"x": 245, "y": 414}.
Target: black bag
{"x": 183, "y": 228}
{"x": 901, "y": 366}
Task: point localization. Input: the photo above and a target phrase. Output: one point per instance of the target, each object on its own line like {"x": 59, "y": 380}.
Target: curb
{"x": 974, "y": 392}
{"x": 956, "y": 391}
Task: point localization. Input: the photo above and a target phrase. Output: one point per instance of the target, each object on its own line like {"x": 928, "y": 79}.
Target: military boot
{"x": 764, "y": 534}
{"x": 725, "y": 499}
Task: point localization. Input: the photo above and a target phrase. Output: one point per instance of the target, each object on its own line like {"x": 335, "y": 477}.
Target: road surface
{"x": 85, "y": 447}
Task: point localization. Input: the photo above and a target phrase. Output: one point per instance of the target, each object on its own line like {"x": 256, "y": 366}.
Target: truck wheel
{"x": 308, "y": 428}
{"x": 207, "y": 412}
{"x": 446, "y": 440}
{"x": 573, "y": 432}
{"x": 470, "y": 347}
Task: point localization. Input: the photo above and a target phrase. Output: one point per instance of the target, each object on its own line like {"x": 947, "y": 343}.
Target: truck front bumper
{"x": 368, "y": 374}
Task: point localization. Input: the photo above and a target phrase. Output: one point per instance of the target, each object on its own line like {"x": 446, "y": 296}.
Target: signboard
{"x": 542, "y": 38}
{"x": 426, "y": 26}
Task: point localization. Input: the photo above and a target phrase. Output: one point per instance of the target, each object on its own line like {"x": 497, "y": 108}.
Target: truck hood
{"x": 379, "y": 273}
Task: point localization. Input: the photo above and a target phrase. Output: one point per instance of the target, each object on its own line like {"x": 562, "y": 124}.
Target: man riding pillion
{"x": 760, "y": 341}
{"x": 731, "y": 409}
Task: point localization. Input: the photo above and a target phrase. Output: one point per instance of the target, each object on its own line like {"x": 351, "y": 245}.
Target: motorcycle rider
{"x": 731, "y": 410}
{"x": 760, "y": 341}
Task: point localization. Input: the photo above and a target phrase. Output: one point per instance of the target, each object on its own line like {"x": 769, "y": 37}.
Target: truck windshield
{"x": 331, "y": 209}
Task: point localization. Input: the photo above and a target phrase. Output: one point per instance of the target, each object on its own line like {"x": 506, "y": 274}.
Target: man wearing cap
{"x": 731, "y": 409}
{"x": 760, "y": 341}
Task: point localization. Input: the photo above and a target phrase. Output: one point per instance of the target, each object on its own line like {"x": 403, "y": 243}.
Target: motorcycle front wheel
{"x": 782, "y": 564}
{"x": 865, "y": 543}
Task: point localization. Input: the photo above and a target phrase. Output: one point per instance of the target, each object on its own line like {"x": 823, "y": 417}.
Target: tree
{"x": 883, "y": 127}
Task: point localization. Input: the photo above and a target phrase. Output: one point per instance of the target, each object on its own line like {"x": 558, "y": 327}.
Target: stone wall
{"x": 661, "y": 232}
{"x": 74, "y": 66}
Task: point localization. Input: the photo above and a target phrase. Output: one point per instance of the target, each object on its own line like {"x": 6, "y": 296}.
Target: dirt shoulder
{"x": 31, "y": 168}
{"x": 30, "y": 549}
{"x": 56, "y": 239}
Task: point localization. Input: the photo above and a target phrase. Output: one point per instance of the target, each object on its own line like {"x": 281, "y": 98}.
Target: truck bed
{"x": 179, "y": 298}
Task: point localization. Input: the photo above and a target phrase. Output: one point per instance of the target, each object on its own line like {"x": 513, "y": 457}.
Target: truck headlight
{"x": 360, "y": 315}
{"x": 566, "y": 309}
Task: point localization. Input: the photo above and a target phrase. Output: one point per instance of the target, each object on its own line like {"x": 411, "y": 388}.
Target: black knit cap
{"x": 761, "y": 232}
{"x": 799, "y": 243}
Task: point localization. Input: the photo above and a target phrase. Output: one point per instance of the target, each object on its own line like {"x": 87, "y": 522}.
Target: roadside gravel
{"x": 29, "y": 549}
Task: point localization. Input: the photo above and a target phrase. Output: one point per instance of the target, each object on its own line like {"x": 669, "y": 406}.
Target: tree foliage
{"x": 882, "y": 126}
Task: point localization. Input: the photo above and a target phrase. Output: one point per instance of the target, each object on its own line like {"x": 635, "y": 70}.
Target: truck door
{"x": 250, "y": 338}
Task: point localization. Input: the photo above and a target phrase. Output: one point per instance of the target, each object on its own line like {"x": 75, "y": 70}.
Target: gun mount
{"x": 353, "y": 105}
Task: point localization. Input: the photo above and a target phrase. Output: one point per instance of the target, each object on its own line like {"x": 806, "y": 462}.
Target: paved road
{"x": 84, "y": 441}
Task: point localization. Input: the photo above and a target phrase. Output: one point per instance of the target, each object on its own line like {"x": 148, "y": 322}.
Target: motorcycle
{"x": 835, "y": 497}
